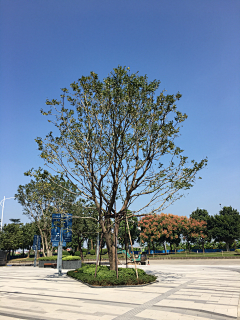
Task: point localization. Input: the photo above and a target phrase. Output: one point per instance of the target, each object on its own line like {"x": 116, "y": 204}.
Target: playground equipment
{"x": 141, "y": 258}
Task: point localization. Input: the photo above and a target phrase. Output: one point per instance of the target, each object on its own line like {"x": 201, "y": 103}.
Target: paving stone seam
{"x": 214, "y": 315}
{"x": 24, "y": 317}
{"x": 75, "y": 298}
{"x": 238, "y": 308}
{"x": 132, "y": 313}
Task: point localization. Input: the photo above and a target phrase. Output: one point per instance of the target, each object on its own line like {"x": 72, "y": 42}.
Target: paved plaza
{"x": 190, "y": 289}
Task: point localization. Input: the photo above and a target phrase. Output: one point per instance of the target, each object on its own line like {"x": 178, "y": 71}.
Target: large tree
{"x": 116, "y": 142}
{"x": 225, "y": 226}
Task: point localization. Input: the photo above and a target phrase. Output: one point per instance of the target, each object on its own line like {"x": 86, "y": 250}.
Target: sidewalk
{"x": 184, "y": 291}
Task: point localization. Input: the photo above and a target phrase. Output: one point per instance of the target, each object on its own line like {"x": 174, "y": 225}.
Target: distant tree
{"x": 149, "y": 233}
{"x": 171, "y": 226}
{"x": 225, "y": 226}
{"x": 83, "y": 226}
{"x": 193, "y": 230}
{"x": 157, "y": 229}
{"x": 11, "y": 237}
{"x": 43, "y": 196}
{"x": 203, "y": 215}
{"x": 134, "y": 231}
{"x": 200, "y": 214}
{"x": 16, "y": 221}
{"x": 28, "y": 232}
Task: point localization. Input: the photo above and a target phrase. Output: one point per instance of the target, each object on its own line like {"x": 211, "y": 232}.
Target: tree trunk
{"x": 111, "y": 246}
{"x": 227, "y": 246}
{"x": 80, "y": 248}
{"x": 91, "y": 244}
{"x": 203, "y": 250}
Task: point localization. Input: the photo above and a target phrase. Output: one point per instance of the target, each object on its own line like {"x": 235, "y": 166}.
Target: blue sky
{"x": 191, "y": 46}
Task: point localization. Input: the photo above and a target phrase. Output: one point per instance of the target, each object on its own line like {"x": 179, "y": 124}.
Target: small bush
{"x": 104, "y": 251}
{"x": 70, "y": 258}
{"x": 107, "y": 277}
{"x": 65, "y": 253}
{"x": 237, "y": 251}
{"x": 84, "y": 250}
{"x": 92, "y": 252}
{"x": 64, "y": 258}
{"x": 77, "y": 253}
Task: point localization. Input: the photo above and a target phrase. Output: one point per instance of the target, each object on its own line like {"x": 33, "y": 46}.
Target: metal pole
{"x": 116, "y": 258}
{"x": 97, "y": 251}
{"x": 59, "y": 257}
{"x": 126, "y": 238}
{"x": 2, "y": 211}
{"x": 35, "y": 256}
{"x": 98, "y": 256}
{"x": 2, "y": 204}
{"x": 130, "y": 238}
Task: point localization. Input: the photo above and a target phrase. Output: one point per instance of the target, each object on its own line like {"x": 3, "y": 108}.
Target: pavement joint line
{"x": 238, "y": 309}
{"x": 132, "y": 313}
{"x": 200, "y": 313}
{"x": 75, "y": 298}
{"x": 23, "y": 316}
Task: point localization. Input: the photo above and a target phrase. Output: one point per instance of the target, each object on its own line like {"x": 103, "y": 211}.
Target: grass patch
{"x": 107, "y": 277}
{"x": 21, "y": 260}
{"x": 193, "y": 255}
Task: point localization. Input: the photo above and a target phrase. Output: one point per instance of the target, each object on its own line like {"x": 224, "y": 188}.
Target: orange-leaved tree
{"x": 193, "y": 230}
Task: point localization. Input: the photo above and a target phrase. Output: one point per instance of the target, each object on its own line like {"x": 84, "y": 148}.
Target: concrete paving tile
{"x": 156, "y": 315}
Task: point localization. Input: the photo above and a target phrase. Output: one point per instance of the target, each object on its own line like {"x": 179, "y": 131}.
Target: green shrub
{"x": 84, "y": 250}
{"x": 70, "y": 258}
{"x": 77, "y": 253}
{"x": 65, "y": 253}
{"x": 107, "y": 277}
{"x": 64, "y": 258}
{"x": 92, "y": 252}
{"x": 237, "y": 251}
{"x": 48, "y": 258}
{"x": 104, "y": 251}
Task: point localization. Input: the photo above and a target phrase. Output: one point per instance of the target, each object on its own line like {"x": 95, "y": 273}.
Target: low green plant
{"x": 107, "y": 277}
{"x": 237, "y": 251}
{"x": 65, "y": 253}
{"x": 92, "y": 252}
{"x": 64, "y": 258}
{"x": 70, "y": 258}
{"x": 104, "y": 251}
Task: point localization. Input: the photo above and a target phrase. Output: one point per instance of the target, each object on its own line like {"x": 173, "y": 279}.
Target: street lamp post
{"x": 2, "y": 204}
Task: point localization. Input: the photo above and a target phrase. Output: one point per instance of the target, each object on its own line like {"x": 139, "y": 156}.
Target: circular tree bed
{"x": 107, "y": 277}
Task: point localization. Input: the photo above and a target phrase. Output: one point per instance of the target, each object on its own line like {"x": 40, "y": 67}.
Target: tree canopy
{"x": 225, "y": 226}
